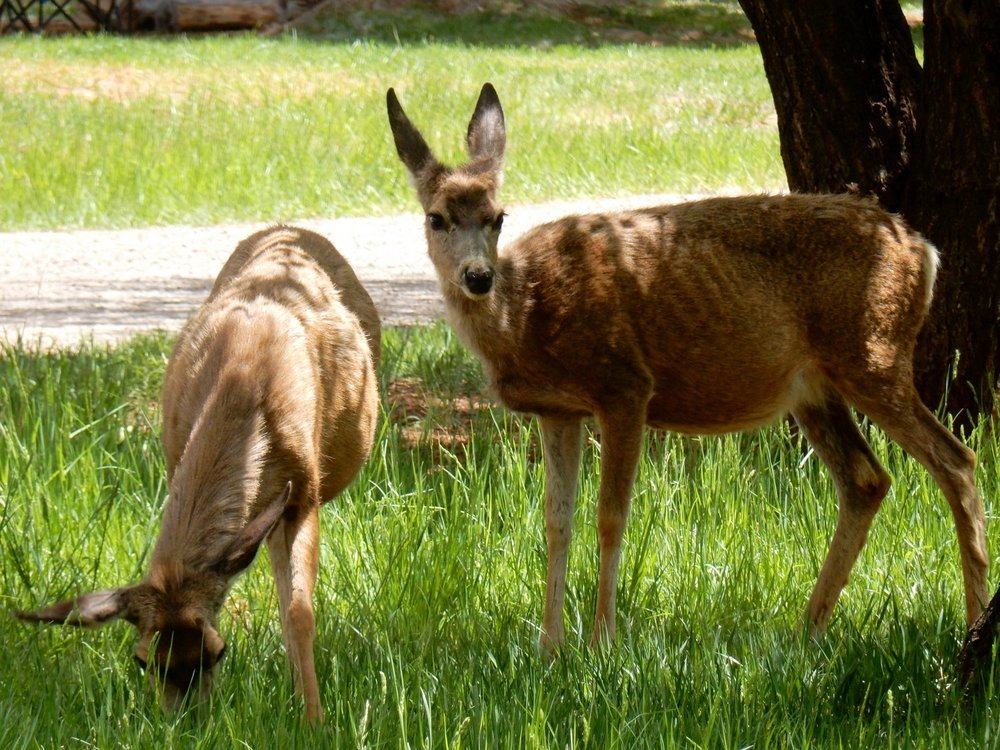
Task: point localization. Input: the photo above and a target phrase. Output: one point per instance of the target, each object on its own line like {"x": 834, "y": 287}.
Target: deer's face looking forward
{"x": 463, "y": 225}
{"x": 463, "y": 219}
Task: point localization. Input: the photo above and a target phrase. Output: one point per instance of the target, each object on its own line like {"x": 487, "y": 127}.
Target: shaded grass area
{"x": 696, "y": 23}
{"x": 109, "y": 132}
{"x": 432, "y": 573}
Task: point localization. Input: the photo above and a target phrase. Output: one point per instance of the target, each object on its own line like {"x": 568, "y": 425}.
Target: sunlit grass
{"x": 110, "y": 132}
{"x": 432, "y": 574}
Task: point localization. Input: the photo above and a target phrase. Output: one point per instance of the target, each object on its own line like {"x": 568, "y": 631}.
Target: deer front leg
{"x": 621, "y": 441}
{"x": 561, "y": 451}
{"x": 294, "y": 552}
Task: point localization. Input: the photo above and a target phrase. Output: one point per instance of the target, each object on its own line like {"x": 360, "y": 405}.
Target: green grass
{"x": 432, "y": 571}
{"x": 504, "y": 23}
{"x": 109, "y": 132}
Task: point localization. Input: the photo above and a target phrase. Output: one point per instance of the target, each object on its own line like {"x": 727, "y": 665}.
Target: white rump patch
{"x": 932, "y": 259}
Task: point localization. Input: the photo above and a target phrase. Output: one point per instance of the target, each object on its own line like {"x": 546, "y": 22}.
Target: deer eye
{"x": 140, "y": 661}
{"x": 436, "y": 222}
{"x": 498, "y": 221}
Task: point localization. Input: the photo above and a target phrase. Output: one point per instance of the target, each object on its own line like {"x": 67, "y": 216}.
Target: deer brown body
{"x": 270, "y": 403}
{"x": 704, "y": 317}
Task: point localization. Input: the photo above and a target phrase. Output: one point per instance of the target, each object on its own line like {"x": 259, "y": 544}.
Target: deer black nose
{"x": 479, "y": 281}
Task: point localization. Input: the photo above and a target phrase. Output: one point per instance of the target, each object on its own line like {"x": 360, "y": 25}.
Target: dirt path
{"x": 57, "y": 288}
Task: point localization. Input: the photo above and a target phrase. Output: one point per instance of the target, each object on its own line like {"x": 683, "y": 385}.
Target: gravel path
{"x": 57, "y": 288}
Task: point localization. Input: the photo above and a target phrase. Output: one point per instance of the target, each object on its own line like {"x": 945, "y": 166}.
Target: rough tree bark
{"x": 845, "y": 78}
{"x": 953, "y": 197}
{"x": 856, "y": 113}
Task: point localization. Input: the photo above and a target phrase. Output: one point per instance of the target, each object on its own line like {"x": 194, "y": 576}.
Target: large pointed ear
{"x": 487, "y": 136}
{"x": 410, "y": 145}
{"x": 88, "y": 611}
{"x": 243, "y": 549}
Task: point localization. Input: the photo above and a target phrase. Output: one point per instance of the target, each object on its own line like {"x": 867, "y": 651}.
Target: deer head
{"x": 174, "y": 610}
{"x": 463, "y": 217}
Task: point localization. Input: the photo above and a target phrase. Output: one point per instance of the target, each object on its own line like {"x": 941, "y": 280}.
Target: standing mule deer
{"x": 705, "y": 317}
{"x": 269, "y": 407}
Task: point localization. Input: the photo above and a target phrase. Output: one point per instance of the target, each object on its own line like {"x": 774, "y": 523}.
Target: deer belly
{"x": 715, "y": 405}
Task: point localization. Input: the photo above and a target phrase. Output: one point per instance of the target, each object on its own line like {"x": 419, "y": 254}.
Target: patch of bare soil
{"x": 94, "y": 80}
{"x": 430, "y": 422}
{"x": 91, "y": 81}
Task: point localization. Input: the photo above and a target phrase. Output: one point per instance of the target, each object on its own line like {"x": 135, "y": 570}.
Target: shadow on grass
{"x": 718, "y": 23}
{"x": 668, "y": 679}
{"x": 700, "y": 24}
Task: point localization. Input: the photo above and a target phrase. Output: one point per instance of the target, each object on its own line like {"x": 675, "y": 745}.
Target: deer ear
{"x": 487, "y": 136}
{"x": 243, "y": 549}
{"x": 88, "y": 611}
{"x": 410, "y": 145}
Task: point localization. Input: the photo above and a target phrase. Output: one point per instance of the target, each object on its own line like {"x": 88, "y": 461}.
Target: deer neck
{"x": 491, "y": 327}
{"x": 217, "y": 478}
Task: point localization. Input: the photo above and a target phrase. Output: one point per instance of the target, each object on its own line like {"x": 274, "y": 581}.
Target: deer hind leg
{"x": 861, "y": 484}
{"x": 294, "y": 553}
{"x": 952, "y": 465}
{"x": 561, "y": 450}
{"x": 621, "y": 441}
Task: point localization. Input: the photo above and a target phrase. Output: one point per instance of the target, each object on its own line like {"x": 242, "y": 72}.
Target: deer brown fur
{"x": 705, "y": 317}
{"x": 270, "y": 403}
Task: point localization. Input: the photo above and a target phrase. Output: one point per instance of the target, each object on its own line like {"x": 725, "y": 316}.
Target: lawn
{"x": 432, "y": 574}
{"x": 111, "y": 132}
{"x": 433, "y": 562}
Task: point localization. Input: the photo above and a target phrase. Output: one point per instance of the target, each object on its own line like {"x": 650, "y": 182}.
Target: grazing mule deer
{"x": 704, "y": 317}
{"x": 269, "y": 407}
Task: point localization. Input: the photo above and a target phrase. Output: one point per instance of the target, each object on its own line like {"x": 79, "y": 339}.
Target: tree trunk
{"x": 978, "y": 646}
{"x": 953, "y": 197}
{"x": 855, "y": 113}
{"x": 844, "y": 78}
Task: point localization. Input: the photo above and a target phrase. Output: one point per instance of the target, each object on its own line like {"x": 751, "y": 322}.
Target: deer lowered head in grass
{"x": 270, "y": 403}
{"x": 705, "y": 317}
